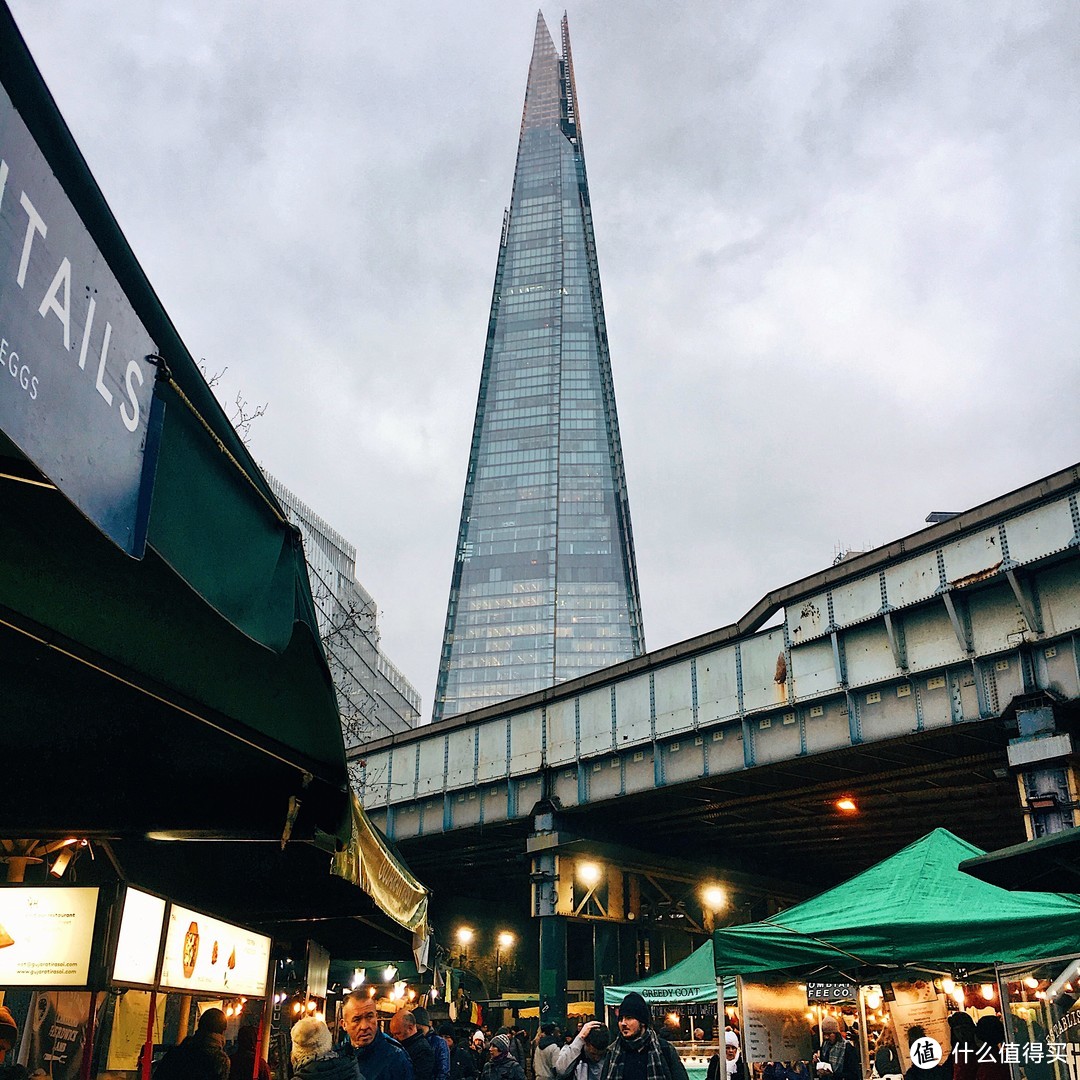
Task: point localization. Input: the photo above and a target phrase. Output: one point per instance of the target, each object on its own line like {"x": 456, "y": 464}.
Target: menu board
{"x": 209, "y": 956}
{"x": 46, "y": 935}
{"x": 774, "y": 1022}
{"x": 140, "y": 938}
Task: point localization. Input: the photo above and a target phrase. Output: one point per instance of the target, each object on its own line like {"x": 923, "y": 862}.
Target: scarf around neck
{"x": 645, "y": 1041}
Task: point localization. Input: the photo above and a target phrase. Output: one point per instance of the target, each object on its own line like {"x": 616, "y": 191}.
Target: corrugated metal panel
{"x": 493, "y": 764}
{"x": 718, "y": 694}
{"x": 461, "y": 751}
{"x": 526, "y": 731}
{"x": 595, "y": 722}
{"x": 912, "y": 580}
{"x": 856, "y": 601}
{"x": 633, "y": 722}
{"x": 930, "y": 639}
{"x": 432, "y": 766}
{"x": 403, "y": 773}
{"x": 813, "y": 668}
{"x": 561, "y": 732}
{"x": 674, "y": 707}
{"x": 1040, "y": 532}
{"x": 972, "y": 556}
{"x": 763, "y": 663}
{"x": 867, "y": 653}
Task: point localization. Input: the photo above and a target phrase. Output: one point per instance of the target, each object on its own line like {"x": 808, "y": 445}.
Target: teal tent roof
{"x": 915, "y": 908}
{"x": 690, "y": 981}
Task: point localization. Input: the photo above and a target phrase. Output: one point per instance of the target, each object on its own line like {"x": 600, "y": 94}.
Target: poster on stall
{"x": 55, "y": 1033}
{"x": 775, "y": 1027}
{"x": 210, "y": 956}
{"x": 45, "y": 935}
{"x": 130, "y": 1018}
{"x": 918, "y": 1003}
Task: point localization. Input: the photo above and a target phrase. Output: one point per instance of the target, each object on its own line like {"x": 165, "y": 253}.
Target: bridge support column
{"x": 605, "y": 962}
{"x": 553, "y": 970}
{"x": 545, "y": 904}
{"x": 1042, "y": 757}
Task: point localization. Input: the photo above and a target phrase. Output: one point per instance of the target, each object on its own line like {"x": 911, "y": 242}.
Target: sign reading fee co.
{"x": 75, "y": 384}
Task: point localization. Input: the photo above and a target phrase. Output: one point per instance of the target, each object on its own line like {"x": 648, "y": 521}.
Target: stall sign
{"x": 774, "y": 1022}
{"x": 76, "y": 384}
{"x": 829, "y": 991}
{"x": 318, "y": 969}
{"x": 46, "y": 935}
{"x": 209, "y": 956}
{"x": 140, "y": 938}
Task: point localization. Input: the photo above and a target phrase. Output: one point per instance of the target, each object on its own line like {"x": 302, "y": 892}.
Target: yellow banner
{"x": 369, "y": 863}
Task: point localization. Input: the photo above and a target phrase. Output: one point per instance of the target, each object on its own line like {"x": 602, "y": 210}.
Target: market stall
{"x": 687, "y": 989}
{"x": 917, "y": 924}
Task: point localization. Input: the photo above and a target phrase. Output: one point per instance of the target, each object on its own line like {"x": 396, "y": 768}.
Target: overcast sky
{"x": 838, "y": 244}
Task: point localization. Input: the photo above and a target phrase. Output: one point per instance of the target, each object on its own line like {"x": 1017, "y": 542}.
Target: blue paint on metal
{"x": 694, "y": 692}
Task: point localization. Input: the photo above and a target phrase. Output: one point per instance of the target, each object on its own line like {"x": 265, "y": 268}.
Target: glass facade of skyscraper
{"x": 544, "y": 584}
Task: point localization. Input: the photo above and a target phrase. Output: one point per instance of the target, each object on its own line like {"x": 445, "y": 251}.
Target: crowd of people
{"x": 414, "y": 1050}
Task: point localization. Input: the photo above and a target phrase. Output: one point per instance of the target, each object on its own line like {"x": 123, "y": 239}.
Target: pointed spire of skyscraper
{"x": 544, "y": 586}
{"x": 543, "y": 89}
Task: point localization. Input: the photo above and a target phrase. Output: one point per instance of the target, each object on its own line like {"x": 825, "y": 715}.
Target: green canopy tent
{"x": 915, "y": 909}
{"x": 691, "y": 981}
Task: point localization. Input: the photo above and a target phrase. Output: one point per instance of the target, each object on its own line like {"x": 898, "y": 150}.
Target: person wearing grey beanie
{"x": 313, "y": 1056}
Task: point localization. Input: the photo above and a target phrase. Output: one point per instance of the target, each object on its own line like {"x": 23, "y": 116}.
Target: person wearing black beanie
{"x": 639, "y": 1053}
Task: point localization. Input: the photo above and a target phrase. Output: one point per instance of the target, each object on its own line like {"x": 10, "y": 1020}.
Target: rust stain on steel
{"x": 979, "y": 575}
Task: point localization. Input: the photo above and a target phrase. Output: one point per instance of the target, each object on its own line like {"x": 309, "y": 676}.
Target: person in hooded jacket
{"x": 639, "y": 1053}
{"x": 548, "y": 1045}
{"x": 313, "y": 1056}
{"x": 501, "y": 1064}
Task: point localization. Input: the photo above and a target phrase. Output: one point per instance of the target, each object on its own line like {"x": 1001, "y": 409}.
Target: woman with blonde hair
{"x": 313, "y": 1056}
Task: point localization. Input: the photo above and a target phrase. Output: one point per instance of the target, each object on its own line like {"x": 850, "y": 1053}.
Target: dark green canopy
{"x": 913, "y": 909}
{"x": 185, "y": 693}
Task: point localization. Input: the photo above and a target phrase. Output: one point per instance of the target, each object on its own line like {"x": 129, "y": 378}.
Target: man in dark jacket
{"x": 639, "y": 1053}
{"x": 403, "y": 1028}
{"x": 462, "y": 1061}
{"x": 379, "y": 1056}
{"x": 436, "y": 1042}
{"x": 200, "y": 1056}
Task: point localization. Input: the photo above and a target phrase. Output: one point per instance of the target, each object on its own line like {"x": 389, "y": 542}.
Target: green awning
{"x": 915, "y": 908}
{"x": 691, "y": 981}
{"x": 202, "y": 659}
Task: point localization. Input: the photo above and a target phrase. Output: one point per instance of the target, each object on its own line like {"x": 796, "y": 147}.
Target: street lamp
{"x": 505, "y": 940}
{"x": 589, "y": 874}
{"x": 464, "y": 938}
{"x": 713, "y": 900}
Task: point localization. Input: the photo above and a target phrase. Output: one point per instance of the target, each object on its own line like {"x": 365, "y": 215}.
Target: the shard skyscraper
{"x": 545, "y": 582}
